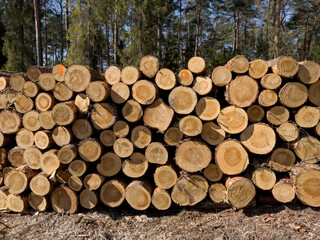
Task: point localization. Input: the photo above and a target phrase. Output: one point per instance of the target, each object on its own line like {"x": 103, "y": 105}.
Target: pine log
{"x": 141, "y": 137}
{"x": 58, "y": 72}
{"x": 112, "y": 193}
{"x": 61, "y": 136}
{"x": 264, "y": 178}
{"x": 4, "y": 82}
{"x": 24, "y": 138}
{"x": 82, "y": 102}
{"x": 17, "y": 82}
{"x": 15, "y": 157}
{"x": 90, "y": 149}
{"x": 130, "y": 74}
{"x": 10, "y": 122}
{"x": 40, "y": 185}
{"x": 212, "y": 172}
{"x": 61, "y": 92}
{"x": 75, "y": 183}
{"x": 185, "y": 77}
{"x": 63, "y": 176}
{"x": 3, "y": 157}
{"x": 239, "y": 64}
{"x": 64, "y": 113}
{"x": 132, "y": 111}
{"x": 284, "y": 66}
{"x": 309, "y": 72}
{"x": 43, "y": 139}
{"x": 67, "y": 153}
{"x": 240, "y": 191}
{"x": 255, "y": 113}
{"x": 77, "y": 168}
{"x": 88, "y": 199}
{"x": 34, "y": 72}
{"x": 212, "y": 133}
{"x": 38, "y": 203}
{"x": 30, "y": 121}
{"x": 278, "y": 115}
{"x": 120, "y": 92}
{"x": 271, "y": 81}
{"x": 156, "y": 153}
{"x": 64, "y": 199}
{"x": 112, "y": 75}
{"x": 23, "y": 104}
{"x": 82, "y": 129}
{"x": 30, "y": 89}
{"x": 17, "y": 203}
{"x": 183, "y": 100}
{"x": 197, "y": 65}
{"x": 44, "y": 102}
{"x": 190, "y": 125}
{"x": 313, "y": 93}
{"x": 192, "y": 155}
{"x": 161, "y": 199}
{"x": 165, "y": 176}
{"x": 107, "y": 138}
{"x": 98, "y": 91}
{"x": 218, "y": 193}
{"x": 221, "y": 76}
{"x": 149, "y": 66}
{"x": 258, "y": 68}
{"x": 136, "y": 166}
{"x": 103, "y": 115}
{"x": 317, "y": 129}
{"x": 3, "y": 100}
{"x": 121, "y": 128}
{"x": 165, "y": 79}
{"x": 308, "y": 149}
{"x": 267, "y": 98}
{"x": 308, "y": 116}
{"x": 144, "y": 92}
{"x": 202, "y": 85}
{"x": 282, "y": 160}
{"x": 283, "y": 191}
{"x": 17, "y": 181}
{"x": 49, "y": 162}
{"x": 46, "y": 121}
{"x": 46, "y": 81}
{"x": 3, "y": 200}
{"x": 293, "y": 94}
{"x": 138, "y": 194}
{"x": 93, "y": 181}
{"x": 32, "y": 157}
{"x": 173, "y": 136}
{"x": 123, "y": 147}
{"x": 208, "y": 108}
{"x": 110, "y": 164}
{"x": 233, "y": 119}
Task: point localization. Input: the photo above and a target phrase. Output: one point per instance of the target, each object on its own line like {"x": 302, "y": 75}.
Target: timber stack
{"x": 71, "y": 137}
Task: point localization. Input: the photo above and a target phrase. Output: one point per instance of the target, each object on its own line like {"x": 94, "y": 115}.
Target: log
{"x": 282, "y": 160}
{"x": 283, "y": 191}
{"x": 221, "y": 76}
{"x": 32, "y": 157}
{"x": 136, "y": 166}
{"x": 3, "y": 157}
{"x": 46, "y": 81}
{"x": 49, "y": 162}
{"x": 3, "y": 101}
{"x": 61, "y": 92}
{"x": 307, "y": 116}
{"x": 239, "y": 64}
{"x": 40, "y": 185}
{"x": 17, "y": 82}
{"x": 190, "y": 125}
{"x": 278, "y": 115}
{"x": 144, "y": 92}
{"x": 4, "y": 82}
{"x": 309, "y": 72}
{"x": 264, "y": 178}
{"x": 284, "y": 66}
{"x": 90, "y": 149}
{"x": 43, "y": 139}
{"x": 103, "y": 115}
{"x": 34, "y": 72}
{"x": 212, "y": 172}
{"x": 258, "y": 138}
{"x": 267, "y": 98}
{"x": 130, "y": 74}
{"x": 317, "y": 129}
{"x": 212, "y": 133}
{"x": 24, "y": 138}
{"x": 3, "y": 200}
{"x": 165, "y": 176}
{"x": 46, "y": 121}
{"x": 197, "y": 65}
{"x": 44, "y": 102}
{"x": 218, "y": 193}
{"x": 123, "y": 147}
{"x": 64, "y": 199}
{"x": 233, "y": 119}
{"x": 240, "y": 191}
{"x": 189, "y": 190}
{"x": 132, "y": 111}
{"x": 75, "y": 183}
{"x": 17, "y": 203}
{"x": 138, "y": 194}
{"x": 61, "y": 136}
{"x": 23, "y": 104}
{"x": 67, "y": 153}
{"x": 141, "y": 137}
{"x": 30, "y": 121}
{"x": 38, "y": 203}
{"x": 165, "y": 79}
{"x": 173, "y": 136}
{"x": 15, "y": 157}
{"x": 112, "y": 75}
{"x": 183, "y": 100}
{"x": 112, "y": 193}
{"x": 156, "y": 153}
{"x": 161, "y": 199}
{"x": 30, "y": 89}
{"x": 58, "y": 72}
{"x": 202, "y": 85}
{"x": 192, "y": 155}
{"x": 17, "y": 181}
{"x": 158, "y": 115}
{"x": 208, "y": 108}
{"x": 82, "y": 103}
{"x": 93, "y": 181}
{"x": 258, "y": 68}
{"x": 242, "y": 91}
{"x": 121, "y": 128}
{"x": 88, "y": 199}
{"x": 120, "y": 92}
{"x": 293, "y": 94}
{"x": 77, "y": 168}
{"x": 63, "y": 176}
{"x": 149, "y": 66}
{"x": 98, "y": 91}
{"x": 308, "y": 149}
{"x": 10, "y": 122}
{"x": 271, "y": 81}
{"x": 313, "y": 93}
{"x": 185, "y": 77}
{"x": 82, "y": 129}
{"x": 107, "y": 138}
{"x": 255, "y": 113}
{"x": 64, "y": 113}
{"x": 231, "y": 157}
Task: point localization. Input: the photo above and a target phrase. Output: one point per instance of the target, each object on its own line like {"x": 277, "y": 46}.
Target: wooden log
{"x": 185, "y": 77}
{"x": 61, "y": 92}
{"x": 165, "y": 176}
{"x": 63, "y": 176}
{"x": 4, "y": 82}
{"x": 233, "y": 119}
{"x": 3, "y": 200}
{"x": 208, "y": 108}
{"x": 132, "y": 111}
{"x": 293, "y": 94}
{"x": 10, "y": 122}
{"x": 40, "y": 185}
{"x": 283, "y": 191}
{"x": 158, "y": 115}
{"x": 120, "y": 92}
{"x": 3, "y": 100}
{"x": 282, "y": 160}
{"x": 110, "y": 164}
{"x": 46, "y": 81}
{"x": 30, "y": 121}
{"x": 193, "y": 155}
{"x": 202, "y": 85}
{"x": 165, "y": 79}
{"x": 190, "y": 125}
{"x": 156, "y": 153}
{"x": 30, "y": 89}
{"x": 136, "y": 166}
{"x": 75, "y": 183}
{"x": 173, "y": 136}
{"x": 212, "y": 172}
{"x": 138, "y": 194}
{"x": 271, "y": 81}
{"x": 307, "y": 116}
{"x": 189, "y": 190}
{"x": 67, "y": 153}
{"x": 149, "y": 66}
{"x": 317, "y": 129}
{"x": 121, "y": 128}
{"x": 144, "y": 92}
{"x": 34, "y": 72}
{"x": 130, "y": 74}
{"x": 82, "y": 129}
{"x": 231, "y": 157}
{"x": 161, "y": 199}
{"x": 197, "y": 65}
{"x": 82, "y": 102}
{"x": 309, "y": 72}
{"x": 43, "y": 139}
{"x": 103, "y": 115}
{"x": 64, "y": 199}
{"x": 313, "y": 93}
{"x": 255, "y": 113}
{"x": 17, "y": 203}
{"x": 17, "y": 82}
{"x": 3, "y": 157}
{"x": 58, "y": 72}
{"x": 218, "y": 193}
{"x": 61, "y": 136}
{"x": 23, "y": 104}
{"x": 258, "y": 68}
{"x": 88, "y": 199}
{"x": 221, "y": 76}
{"x": 284, "y": 66}
{"x": 93, "y": 181}
{"x": 90, "y": 149}
{"x": 32, "y": 157}
{"x": 17, "y": 181}
{"x": 49, "y": 162}
{"x": 112, "y": 193}
{"x": 77, "y": 168}
{"x": 44, "y": 102}
{"x": 258, "y": 138}
{"x": 38, "y": 203}
{"x": 264, "y": 178}
{"x": 267, "y": 98}
{"x": 141, "y": 137}
{"x": 278, "y": 115}
{"x": 15, "y": 157}
{"x": 46, "y": 121}
{"x": 64, "y": 113}
{"x": 107, "y": 138}
{"x": 240, "y": 191}
{"x": 308, "y": 149}
{"x": 24, "y": 138}
{"x": 242, "y": 91}
{"x": 112, "y": 75}
{"x": 183, "y": 100}
{"x": 212, "y": 133}
{"x": 239, "y": 64}
{"x": 98, "y": 91}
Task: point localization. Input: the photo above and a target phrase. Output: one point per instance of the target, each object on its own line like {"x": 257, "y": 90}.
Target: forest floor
{"x": 261, "y": 222}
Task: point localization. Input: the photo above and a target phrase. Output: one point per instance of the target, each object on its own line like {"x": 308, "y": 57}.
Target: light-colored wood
{"x": 141, "y": 137}
{"x": 308, "y": 116}
{"x": 239, "y": 64}
{"x": 242, "y": 91}
{"x": 58, "y": 72}
{"x": 221, "y": 76}
{"x": 282, "y": 160}
{"x": 136, "y": 166}
{"x": 17, "y": 82}
{"x": 3, "y": 100}
{"x": 264, "y": 178}
{"x": 189, "y": 190}
{"x": 3, "y": 157}
{"x": 64, "y": 113}
{"x": 185, "y": 77}
{"x": 231, "y": 157}
{"x": 103, "y": 115}
{"x": 144, "y": 92}
{"x": 317, "y": 129}
{"x": 156, "y": 153}
{"x": 313, "y": 93}
{"x": 15, "y": 157}
{"x": 98, "y": 91}
{"x": 284, "y": 66}
{"x": 288, "y": 131}
{"x": 61, "y": 136}
{"x": 38, "y": 203}
{"x": 193, "y": 155}
{"x": 208, "y": 108}
{"x": 77, "y": 167}
{"x": 271, "y": 81}
{"x": 3, "y": 200}
{"x": 283, "y": 191}
{"x": 233, "y": 119}
{"x": 258, "y": 138}
{"x": 240, "y": 191}
{"x": 46, "y": 81}
{"x": 138, "y": 194}
{"x": 64, "y": 199}
{"x": 46, "y": 121}
{"x": 120, "y": 92}
{"x": 112, "y": 193}
{"x": 32, "y": 157}
{"x": 218, "y": 193}
{"x": 267, "y": 98}
{"x": 44, "y": 102}
{"x": 34, "y": 72}
{"x": 30, "y": 121}
{"x": 40, "y": 185}
{"x": 202, "y": 85}
{"x": 149, "y": 66}
{"x": 121, "y": 128}
{"x": 82, "y": 102}
{"x": 43, "y": 139}
{"x": 190, "y": 125}
{"x": 10, "y": 122}
{"x": 183, "y": 100}
{"x": 165, "y": 79}
{"x": 107, "y": 138}
{"x": 49, "y": 162}
{"x": 5, "y": 140}
{"x": 16, "y": 181}
{"x": 93, "y": 181}
{"x": 4, "y": 82}
{"x": 132, "y": 111}
{"x": 173, "y": 136}
{"x": 82, "y": 129}
{"x": 258, "y": 68}
{"x": 112, "y": 75}
{"x": 67, "y": 153}
{"x": 75, "y": 183}
{"x": 88, "y": 199}
{"x": 278, "y": 115}
{"x": 90, "y": 149}
{"x": 197, "y": 65}
{"x": 165, "y": 176}
{"x": 293, "y": 94}
{"x": 61, "y": 92}
{"x": 161, "y": 199}
{"x": 17, "y": 203}
{"x": 255, "y": 113}
{"x": 309, "y": 72}
{"x": 212, "y": 133}
{"x": 30, "y": 89}
{"x": 212, "y": 172}
{"x": 24, "y": 138}
{"x": 110, "y": 164}
{"x": 23, "y": 104}
{"x": 123, "y": 147}
{"x": 130, "y": 74}
{"x": 308, "y": 149}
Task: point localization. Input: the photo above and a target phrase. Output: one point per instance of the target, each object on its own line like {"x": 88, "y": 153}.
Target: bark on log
{"x": 34, "y": 72}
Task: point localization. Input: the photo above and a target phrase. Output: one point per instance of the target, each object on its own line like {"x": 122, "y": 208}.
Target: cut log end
{"x": 165, "y": 177}
{"x": 112, "y": 193}
{"x": 110, "y": 164}
{"x": 233, "y": 119}
{"x": 44, "y": 102}
{"x": 138, "y": 194}
{"x": 16, "y": 181}
{"x": 93, "y": 181}
{"x": 212, "y": 172}
{"x": 267, "y": 98}
{"x": 77, "y": 78}
{"x": 144, "y": 92}
{"x": 314, "y": 95}
{"x": 46, "y": 81}
{"x": 136, "y": 166}
{"x": 32, "y": 157}
{"x": 282, "y": 160}
{"x": 107, "y": 138}
{"x": 173, "y": 136}
{"x": 293, "y": 94}
{"x": 285, "y": 66}
{"x": 271, "y": 81}
{"x": 16, "y": 157}
{"x": 17, "y": 82}
{"x": 309, "y": 72}
{"x": 208, "y": 108}
{"x": 61, "y": 92}
{"x": 40, "y": 185}
{"x": 185, "y": 77}
{"x": 212, "y": 133}
{"x": 103, "y": 115}
{"x": 17, "y": 203}
{"x": 218, "y": 193}
{"x": 81, "y": 129}
{"x": 161, "y": 199}
{"x": 75, "y": 183}
{"x": 38, "y": 203}
{"x": 190, "y": 125}
{"x": 308, "y": 149}
{"x": 10, "y": 122}
{"x": 64, "y": 113}
{"x": 63, "y": 198}
{"x": 307, "y": 116}
{"x": 121, "y": 129}
{"x": 149, "y": 66}
{"x": 90, "y": 150}
{"x": 30, "y": 121}
{"x": 58, "y": 72}
{"x": 197, "y": 65}
{"x": 258, "y": 68}
{"x": 221, "y": 76}
{"x": 112, "y": 75}
{"x": 240, "y": 191}
{"x": 283, "y": 191}
{"x": 61, "y": 136}
{"x": 132, "y": 111}
{"x": 278, "y": 115}
{"x": 239, "y": 64}
{"x": 49, "y": 162}
{"x": 46, "y": 121}
{"x": 264, "y": 178}
{"x": 141, "y": 137}
{"x": 67, "y": 153}
{"x": 123, "y": 147}
{"x": 98, "y": 91}
{"x": 255, "y": 113}
{"x": 202, "y": 85}
{"x": 183, "y": 100}
{"x": 165, "y": 79}
{"x": 156, "y": 153}
{"x": 120, "y": 93}
{"x": 129, "y": 75}
{"x": 88, "y": 199}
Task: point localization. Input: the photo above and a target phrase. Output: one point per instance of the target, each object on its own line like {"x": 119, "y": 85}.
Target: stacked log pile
{"x": 146, "y": 136}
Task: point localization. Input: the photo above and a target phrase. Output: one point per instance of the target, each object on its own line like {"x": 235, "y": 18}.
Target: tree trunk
{"x": 179, "y": 35}
{"x": 66, "y": 20}
{"x": 115, "y": 34}
{"x": 199, "y": 7}
{"x": 36, "y": 5}
{"x": 277, "y": 24}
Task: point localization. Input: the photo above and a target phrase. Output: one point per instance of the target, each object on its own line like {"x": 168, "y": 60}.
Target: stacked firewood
{"x": 150, "y": 137}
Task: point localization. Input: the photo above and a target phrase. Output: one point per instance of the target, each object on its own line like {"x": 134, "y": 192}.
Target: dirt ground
{"x": 262, "y": 222}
